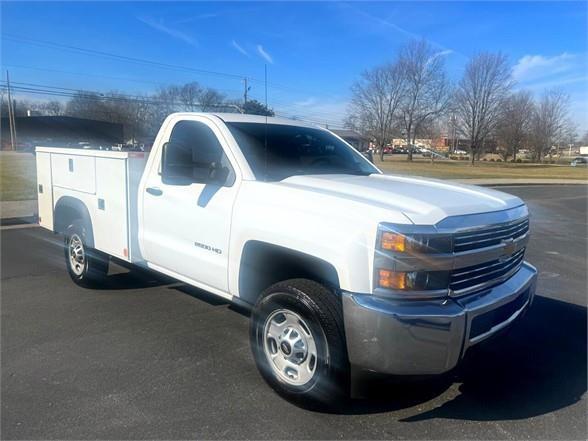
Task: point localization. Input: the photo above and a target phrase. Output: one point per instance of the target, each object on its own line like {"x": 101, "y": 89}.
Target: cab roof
{"x": 257, "y": 119}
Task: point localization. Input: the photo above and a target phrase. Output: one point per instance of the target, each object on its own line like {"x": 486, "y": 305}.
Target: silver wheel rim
{"x": 77, "y": 255}
{"x": 290, "y": 347}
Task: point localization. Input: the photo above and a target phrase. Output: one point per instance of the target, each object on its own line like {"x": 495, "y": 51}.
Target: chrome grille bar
{"x": 478, "y": 276}
{"x": 485, "y": 237}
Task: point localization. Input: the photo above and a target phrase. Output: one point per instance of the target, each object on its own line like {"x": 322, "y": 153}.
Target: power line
{"x": 85, "y": 74}
{"x": 141, "y": 61}
{"x": 124, "y": 58}
{"x": 97, "y": 96}
{"x": 49, "y": 90}
{"x": 293, "y": 108}
{"x": 90, "y": 95}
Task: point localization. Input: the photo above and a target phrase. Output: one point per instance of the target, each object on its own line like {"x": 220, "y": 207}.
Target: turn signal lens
{"x": 413, "y": 280}
{"x": 393, "y": 242}
{"x": 391, "y": 279}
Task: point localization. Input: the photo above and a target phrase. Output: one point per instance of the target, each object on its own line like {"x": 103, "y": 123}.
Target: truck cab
{"x": 344, "y": 268}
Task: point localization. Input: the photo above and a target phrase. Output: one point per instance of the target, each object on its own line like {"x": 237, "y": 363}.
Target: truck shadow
{"x": 123, "y": 277}
{"x": 538, "y": 367}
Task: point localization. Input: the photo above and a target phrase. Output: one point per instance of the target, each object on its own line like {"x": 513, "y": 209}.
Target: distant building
{"x": 449, "y": 144}
{"x": 32, "y": 131}
{"x": 419, "y": 142}
{"x": 360, "y": 142}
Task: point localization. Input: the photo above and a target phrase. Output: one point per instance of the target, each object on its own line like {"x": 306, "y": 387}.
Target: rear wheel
{"x": 298, "y": 341}
{"x": 86, "y": 266}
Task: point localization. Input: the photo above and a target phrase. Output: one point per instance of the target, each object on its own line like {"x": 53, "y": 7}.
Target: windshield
{"x": 295, "y": 150}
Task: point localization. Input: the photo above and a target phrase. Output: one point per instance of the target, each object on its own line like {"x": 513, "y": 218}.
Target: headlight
{"x": 398, "y": 247}
{"x": 413, "y": 280}
{"x": 413, "y": 243}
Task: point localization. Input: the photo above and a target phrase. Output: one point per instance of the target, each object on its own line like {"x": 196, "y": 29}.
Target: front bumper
{"x": 423, "y": 337}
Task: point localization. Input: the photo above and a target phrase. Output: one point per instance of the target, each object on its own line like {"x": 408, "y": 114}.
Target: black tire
{"x": 92, "y": 271}
{"x": 320, "y": 309}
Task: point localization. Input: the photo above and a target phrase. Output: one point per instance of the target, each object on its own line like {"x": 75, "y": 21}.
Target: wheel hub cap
{"x": 77, "y": 255}
{"x": 290, "y": 347}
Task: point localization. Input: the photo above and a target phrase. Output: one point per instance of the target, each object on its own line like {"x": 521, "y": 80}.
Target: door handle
{"x": 154, "y": 191}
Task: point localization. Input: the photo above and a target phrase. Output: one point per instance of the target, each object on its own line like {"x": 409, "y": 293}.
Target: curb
{"x": 11, "y": 221}
{"x": 530, "y": 184}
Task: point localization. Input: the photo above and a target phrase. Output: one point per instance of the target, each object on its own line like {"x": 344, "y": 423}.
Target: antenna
{"x": 265, "y": 128}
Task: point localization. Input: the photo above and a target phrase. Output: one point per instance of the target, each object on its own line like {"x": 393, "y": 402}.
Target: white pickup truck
{"x": 345, "y": 269}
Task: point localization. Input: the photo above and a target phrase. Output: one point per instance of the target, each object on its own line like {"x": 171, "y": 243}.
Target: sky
{"x": 313, "y": 51}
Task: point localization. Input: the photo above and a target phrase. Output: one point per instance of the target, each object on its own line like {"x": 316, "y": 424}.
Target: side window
{"x": 194, "y": 155}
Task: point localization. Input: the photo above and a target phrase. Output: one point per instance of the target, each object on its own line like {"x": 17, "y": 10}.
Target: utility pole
{"x": 247, "y": 88}
{"x": 11, "y": 120}
{"x": 453, "y": 132}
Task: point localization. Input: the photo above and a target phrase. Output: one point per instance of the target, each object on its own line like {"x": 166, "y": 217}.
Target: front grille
{"x": 485, "y": 273}
{"x": 486, "y": 237}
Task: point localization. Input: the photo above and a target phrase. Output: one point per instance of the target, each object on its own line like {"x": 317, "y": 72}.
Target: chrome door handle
{"x": 154, "y": 191}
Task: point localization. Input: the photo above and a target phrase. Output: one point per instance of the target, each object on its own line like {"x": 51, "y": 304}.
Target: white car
{"x": 346, "y": 270}
{"x": 580, "y": 161}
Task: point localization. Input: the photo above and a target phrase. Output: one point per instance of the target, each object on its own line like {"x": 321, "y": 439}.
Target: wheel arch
{"x": 68, "y": 209}
{"x": 262, "y": 264}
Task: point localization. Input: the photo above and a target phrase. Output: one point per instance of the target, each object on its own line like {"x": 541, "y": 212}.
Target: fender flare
{"x": 261, "y": 265}
{"x": 71, "y": 206}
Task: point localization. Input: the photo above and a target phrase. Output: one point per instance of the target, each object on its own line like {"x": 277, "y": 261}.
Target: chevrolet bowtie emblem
{"x": 509, "y": 247}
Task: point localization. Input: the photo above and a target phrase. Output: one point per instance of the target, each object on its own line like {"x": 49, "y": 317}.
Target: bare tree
{"x": 48, "y": 108}
{"x": 210, "y": 99}
{"x": 426, "y": 88}
{"x": 514, "y": 124}
{"x": 165, "y": 100}
{"x": 132, "y": 112}
{"x": 569, "y": 133}
{"x": 90, "y": 105}
{"x": 484, "y": 86}
{"x": 374, "y": 102}
{"x": 549, "y": 121}
{"x": 189, "y": 95}
{"x": 431, "y": 129}
{"x": 53, "y": 108}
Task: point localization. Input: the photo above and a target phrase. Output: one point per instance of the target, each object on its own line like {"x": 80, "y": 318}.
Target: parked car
{"x": 346, "y": 270}
{"x": 579, "y": 161}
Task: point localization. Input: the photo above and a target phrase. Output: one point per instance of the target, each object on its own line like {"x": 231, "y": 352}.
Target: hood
{"x": 423, "y": 201}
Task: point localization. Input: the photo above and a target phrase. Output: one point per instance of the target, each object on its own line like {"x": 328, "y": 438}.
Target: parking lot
{"x": 149, "y": 358}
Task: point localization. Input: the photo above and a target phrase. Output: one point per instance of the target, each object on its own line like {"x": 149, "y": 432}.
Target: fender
{"x": 262, "y": 264}
{"x": 66, "y": 210}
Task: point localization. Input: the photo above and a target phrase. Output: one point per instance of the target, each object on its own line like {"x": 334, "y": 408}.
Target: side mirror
{"x": 175, "y": 170}
{"x": 180, "y": 166}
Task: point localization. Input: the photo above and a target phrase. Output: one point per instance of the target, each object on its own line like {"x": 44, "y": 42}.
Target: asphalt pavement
{"x": 149, "y": 358}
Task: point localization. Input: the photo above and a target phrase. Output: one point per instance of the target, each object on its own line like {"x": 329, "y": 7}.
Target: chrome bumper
{"x": 422, "y": 337}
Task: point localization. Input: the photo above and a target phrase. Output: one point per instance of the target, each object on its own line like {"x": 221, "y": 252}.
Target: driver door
{"x": 187, "y": 207}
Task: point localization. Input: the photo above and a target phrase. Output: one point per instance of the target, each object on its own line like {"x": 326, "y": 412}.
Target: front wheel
{"x": 86, "y": 266}
{"x": 298, "y": 341}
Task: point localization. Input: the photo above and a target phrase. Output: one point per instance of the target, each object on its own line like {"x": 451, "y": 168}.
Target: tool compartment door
{"x": 75, "y": 172}
{"x": 44, "y": 190}
{"x": 111, "y": 209}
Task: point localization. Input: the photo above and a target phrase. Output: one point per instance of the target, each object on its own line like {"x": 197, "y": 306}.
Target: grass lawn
{"x": 463, "y": 170}
{"x": 18, "y": 176}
